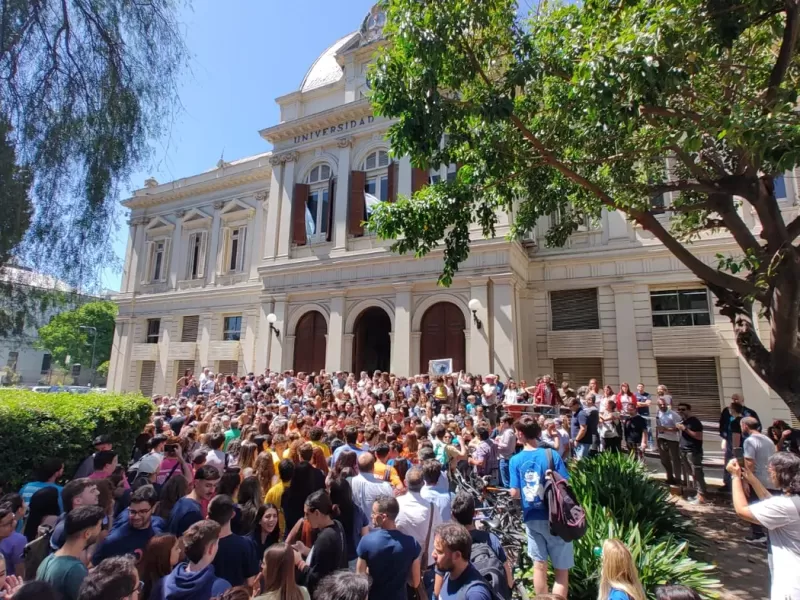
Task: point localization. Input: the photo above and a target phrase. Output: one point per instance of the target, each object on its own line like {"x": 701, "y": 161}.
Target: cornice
{"x": 332, "y": 116}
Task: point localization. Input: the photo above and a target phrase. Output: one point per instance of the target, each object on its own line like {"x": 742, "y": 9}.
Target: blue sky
{"x": 245, "y": 53}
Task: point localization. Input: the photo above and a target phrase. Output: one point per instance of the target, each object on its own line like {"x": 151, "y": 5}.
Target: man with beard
{"x": 131, "y": 537}
{"x": 462, "y": 581}
{"x": 64, "y": 569}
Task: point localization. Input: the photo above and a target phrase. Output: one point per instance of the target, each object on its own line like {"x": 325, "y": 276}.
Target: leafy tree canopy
{"x": 63, "y": 336}
{"x": 607, "y": 104}
{"x": 85, "y": 84}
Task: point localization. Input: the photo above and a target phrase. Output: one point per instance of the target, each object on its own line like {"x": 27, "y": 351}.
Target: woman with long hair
{"x": 625, "y": 397}
{"x": 346, "y": 465}
{"x": 265, "y": 471}
{"x": 619, "y": 579}
{"x": 348, "y": 513}
{"x": 175, "y": 489}
{"x": 250, "y": 499}
{"x": 160, "y": 556}
{"x": 278, "y": 574}
{"x": 43, "y": 511}
{"x": 266, "y": 531}
{"x": 247, "y": 456}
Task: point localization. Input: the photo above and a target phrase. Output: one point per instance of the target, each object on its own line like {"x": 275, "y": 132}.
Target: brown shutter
{"x": 419, "y": 179}
{"x": 331, "y": 204}
{"x": 392, "y": 183}
{"x": 357, "y": 208}
{"x": 299, "y": 213}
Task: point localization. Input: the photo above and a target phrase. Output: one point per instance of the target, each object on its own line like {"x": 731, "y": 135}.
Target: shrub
{"x": 36, "y": 426}
{"x": 622, "y": 485}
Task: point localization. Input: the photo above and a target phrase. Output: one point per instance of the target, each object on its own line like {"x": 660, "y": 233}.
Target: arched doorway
{"x": 372, "y": 346}
{"x": 309, "y": 343}
{"x": 442, "y": 336}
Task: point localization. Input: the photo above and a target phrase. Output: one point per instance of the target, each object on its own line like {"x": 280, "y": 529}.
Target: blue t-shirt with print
{"x": 616, "y": 594}
{"x": 527, "y": 470}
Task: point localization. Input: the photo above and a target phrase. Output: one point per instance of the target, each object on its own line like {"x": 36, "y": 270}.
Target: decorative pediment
{"x": 196, "y": 219}
{"x": 236, "y": 210}
{"x": 158, "y": 226}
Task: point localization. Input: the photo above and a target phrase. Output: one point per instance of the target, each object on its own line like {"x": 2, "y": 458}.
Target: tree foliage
{"x": 607, "y": 104}
{"x": 85, "y": 84}
{"x": 15, "y": 203}
{"x": 63, "y": 336}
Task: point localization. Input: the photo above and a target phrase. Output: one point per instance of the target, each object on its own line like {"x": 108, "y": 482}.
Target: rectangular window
{"x": 153, "y": 329}
{"x": 196, "y": 255}
{"x": 317, "y": 211}
{"x": 47, "y": 362}
{"x": 232, "y": 329}
{"x": 228, "y": 367}
{"x": 377, "y": 190}
{"x": 11, "y": 362}
{"x": 577, "y": 371}
{"x": 451, "y": 172}
{"x": 158, "y": 261}
{"x": 146, "y": 377}
{"x": 680, "y": 308}
{"x": 574, "y": 309}
{"x": 236, "y": 246}
{"x": 234, "y": 249}
{"x": 191, "y": 325}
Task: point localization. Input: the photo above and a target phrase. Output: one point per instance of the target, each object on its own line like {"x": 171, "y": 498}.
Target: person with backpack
{"x": 528, "y": 471}
{"x": 487, "y": 554}
{"x": 452, "y": 547}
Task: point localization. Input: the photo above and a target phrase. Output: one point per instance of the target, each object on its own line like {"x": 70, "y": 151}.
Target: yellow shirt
{"x": 380, "y": 473}
{"x": 275, "y": 496}
{"x": 324, "y": 447}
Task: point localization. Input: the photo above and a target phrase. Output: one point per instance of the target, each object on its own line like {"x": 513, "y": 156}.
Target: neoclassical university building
{"x": 264, "y": 263}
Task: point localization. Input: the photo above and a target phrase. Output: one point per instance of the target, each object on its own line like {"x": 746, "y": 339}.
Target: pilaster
{"x": 129, "y": 252}
{"x": 478, "y": 355}
{"x": 347, "y": 354}
{"x": 627, "y": 343}
{"x": 212, "y": 257}
{"x": 285, "y": 220}
{"x": 258, "y": 239}
{"x": 505, "y": 353}
{"x": 273, "y": 208}
{"x": 137, "y": 257}
{"x": 401, "y": 341}
{"x": 178, "y": 257}
{"x": 263, "y": 337}
{"x": 276, "y": 344}
{"x": 206, "y": 331}
{"x": 333, "y": 352}
{"x": 404, "y": 177}
{"x": 342, "y": 195}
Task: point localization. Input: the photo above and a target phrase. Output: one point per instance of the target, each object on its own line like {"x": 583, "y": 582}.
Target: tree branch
{"x": 670, "y": 113}
{"x": 793, "y": 229}
{"x": 785, "y": 54}
{"x": 724, "y": 206}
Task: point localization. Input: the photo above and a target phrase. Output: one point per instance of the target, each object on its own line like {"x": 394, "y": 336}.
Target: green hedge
{"x": 36, "y": 426}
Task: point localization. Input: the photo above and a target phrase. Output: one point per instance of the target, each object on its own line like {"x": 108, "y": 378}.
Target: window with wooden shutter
{"x": 228, "y": 367}
{"x": 181, "y": 367}
{"x": 191, "y": 326}
{"x": 222, "y": 253}
{"x": 356, "y": 210}
{"x": 392, "y": 183}
{"x": 162, "y": 276}
{"x": 574, "y": 309}
{"x": 196, "y": 255}
{"x": 577, "y": 371}
{"x": 419, "y": 179}
{"x": 147, "y": 267}
{"x": 241, "y": 250}
{"x": 147, "y": 377}
{"x": 332, "y": 205}
{"x": 694, "y": 380}
{"x": 299, "y": 214}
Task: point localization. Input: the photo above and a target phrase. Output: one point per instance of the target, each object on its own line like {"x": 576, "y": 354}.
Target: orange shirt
{"x": 380, "y": 473}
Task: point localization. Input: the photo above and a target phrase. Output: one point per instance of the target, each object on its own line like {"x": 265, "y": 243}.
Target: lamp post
{"x": 93, "y": 331}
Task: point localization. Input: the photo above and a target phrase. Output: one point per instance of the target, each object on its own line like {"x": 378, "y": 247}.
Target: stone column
{"x": 273, "y": 208}
{"x": 213, "y": 248}
{"x": 264, "y": 334}
{"x": 333, "y": 347}
{"x": 478, "y": 355}
{"x": 138, "y": 258}
{"x": 204, "y": 347}
{"x": 276, "y": 358}
{"x": 162, "y": 383}
{"x": 504, "y": 327}
{"x": 404, "y": 177}
{"x": 401, "y": 347}
{"x": 257, "y": 238}
{"x": 627, "y": 345}
{"x": 250, "y": 325}
{"x": 347, "y": 353}
{"x": 126, "y": 285}
{"x": 416, "y": 337}
{"x": 177, "y": 260}
{"x": 285, "y": 221}
{"x": 342, "y": 195}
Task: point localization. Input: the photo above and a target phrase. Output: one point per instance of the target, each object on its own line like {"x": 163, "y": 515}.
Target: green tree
{"x": 15, "y": 203}
{"x": 86, "y": 84}
{"x": 608, "y": 104}
{"x": 64, "y": 337}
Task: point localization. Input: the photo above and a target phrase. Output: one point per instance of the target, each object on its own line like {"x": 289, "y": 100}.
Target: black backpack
{"x": 491, "y": 568}
{"x": 567, "y": 518}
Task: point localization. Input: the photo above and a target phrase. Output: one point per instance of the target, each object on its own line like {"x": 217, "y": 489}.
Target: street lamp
{"x": 474, "y": 305}
{"x": 271, "y": 319}
{"x": 93, "y": 331}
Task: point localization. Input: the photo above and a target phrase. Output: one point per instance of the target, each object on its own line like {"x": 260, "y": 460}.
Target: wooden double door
{"x": 310, "y": 343}
{"x": 442, "y": 330}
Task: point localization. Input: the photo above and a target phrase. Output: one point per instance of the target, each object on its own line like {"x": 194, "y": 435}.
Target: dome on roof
{"x": 325, "y": 69}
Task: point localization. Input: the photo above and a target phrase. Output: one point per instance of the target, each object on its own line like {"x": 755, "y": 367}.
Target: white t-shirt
{"x": 489, "y": 394}
{"x": 510, "y": 396}
{"x": 779, "y": 515}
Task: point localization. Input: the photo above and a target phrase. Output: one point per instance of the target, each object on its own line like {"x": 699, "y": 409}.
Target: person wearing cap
{"x": 86, "y": 468}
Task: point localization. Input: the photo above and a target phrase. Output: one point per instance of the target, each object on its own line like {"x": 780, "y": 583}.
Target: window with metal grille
{"x": 232, "y": 329}
{"x": 680, "y": 308}
{"x": 228, "y": 367}
{"x": 191, "y": 325}
{"x": 47, "y": 362}
{"x": 153, "y": 329}
{"x": 146, "y": 377}
{"x": 694, "y": 380}
{"x": 11, "y": 361}
{"x": 574, "y": 309}
{"x": 577, "y": 371}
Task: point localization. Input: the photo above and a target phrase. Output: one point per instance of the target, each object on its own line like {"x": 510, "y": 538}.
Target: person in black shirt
{"x": 691, "y": 447}
{"x": 237, "y": 559}
{"x": 330, "y": 548}
{"x": 635, "y": 428}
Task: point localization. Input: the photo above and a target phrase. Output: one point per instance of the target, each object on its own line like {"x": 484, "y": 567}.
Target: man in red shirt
{"x": 546, "y": 392}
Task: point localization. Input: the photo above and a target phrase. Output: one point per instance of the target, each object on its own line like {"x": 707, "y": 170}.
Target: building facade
{"x": 264, "y": 263}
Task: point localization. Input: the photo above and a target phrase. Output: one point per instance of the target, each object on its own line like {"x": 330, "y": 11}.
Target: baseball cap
{"x": 102, "y": 439}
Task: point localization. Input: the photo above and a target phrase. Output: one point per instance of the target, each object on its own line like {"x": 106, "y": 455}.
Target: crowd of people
{"x": 287, "y": 486}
